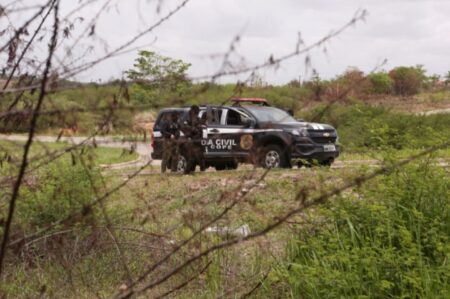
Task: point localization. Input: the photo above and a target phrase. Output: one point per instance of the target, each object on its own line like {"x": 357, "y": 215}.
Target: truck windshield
{"x": 270, "y": 114}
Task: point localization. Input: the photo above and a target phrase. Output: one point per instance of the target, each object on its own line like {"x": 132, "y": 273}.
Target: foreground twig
{"x": 27, "y": 146}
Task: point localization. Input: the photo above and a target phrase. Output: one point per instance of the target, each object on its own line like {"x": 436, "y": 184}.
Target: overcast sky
{"x": 405, "y": 32}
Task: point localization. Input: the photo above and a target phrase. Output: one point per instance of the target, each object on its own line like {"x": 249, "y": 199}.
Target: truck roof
{"x": 259, "y": 101}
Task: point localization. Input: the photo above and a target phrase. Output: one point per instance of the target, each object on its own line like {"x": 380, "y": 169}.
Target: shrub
{"x": 393, "y": 244}
{"x": 407, "y": 80}
{"x": 60, "y": 190}
{"x": 351, "y": 82}
{"x": 380, "y": 83}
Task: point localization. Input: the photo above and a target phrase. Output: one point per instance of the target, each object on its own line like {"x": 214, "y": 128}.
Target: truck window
{"x": 235, "y": 118}
{"x": 216, "y": 116}
{"x": 166, "y": 115}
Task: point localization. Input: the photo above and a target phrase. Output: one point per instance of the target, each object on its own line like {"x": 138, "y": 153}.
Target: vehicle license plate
{"x": 329, "y": 148}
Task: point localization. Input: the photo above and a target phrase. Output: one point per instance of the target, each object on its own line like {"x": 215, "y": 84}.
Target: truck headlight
{"x": 303, "y": 132}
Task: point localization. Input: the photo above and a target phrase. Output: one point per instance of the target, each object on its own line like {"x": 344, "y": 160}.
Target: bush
{"x": 407, "y": 80}
{"x": 380, "y": 83}
{"x": 60, "y": 190}
{"x": 393, "y": 244}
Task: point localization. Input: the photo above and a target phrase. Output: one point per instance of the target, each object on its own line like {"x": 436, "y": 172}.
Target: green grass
{"x": 101, "y": 155}
{"x": 393, "y": 244}
{"x": 381, "y": 155}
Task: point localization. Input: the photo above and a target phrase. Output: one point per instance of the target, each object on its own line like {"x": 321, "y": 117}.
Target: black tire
{"x": 232, "y": 165}
{"x": 326, "y": 163}
{"x": 273, "y": 156}
{"x": 182, "y": 164}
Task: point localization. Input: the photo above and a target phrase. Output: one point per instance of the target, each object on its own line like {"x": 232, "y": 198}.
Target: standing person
{"x": 192, "y": 129}
{"x": 170, "y": 130}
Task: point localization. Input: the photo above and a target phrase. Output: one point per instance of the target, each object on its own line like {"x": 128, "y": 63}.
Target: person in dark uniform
{"x": 192, "y": 129}
{"x": 170, "y": 130}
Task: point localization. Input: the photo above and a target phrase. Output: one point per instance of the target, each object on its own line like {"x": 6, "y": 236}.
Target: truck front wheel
{"x": 273, "y": 156}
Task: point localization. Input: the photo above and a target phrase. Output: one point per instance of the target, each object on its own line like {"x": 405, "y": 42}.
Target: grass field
{"x": 154, "y": 212}
{"x": 101, "y": 155}
{"x": 173, "y": 207}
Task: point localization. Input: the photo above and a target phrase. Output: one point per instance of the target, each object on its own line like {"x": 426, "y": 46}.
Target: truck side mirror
{"x": 248, "y": 123}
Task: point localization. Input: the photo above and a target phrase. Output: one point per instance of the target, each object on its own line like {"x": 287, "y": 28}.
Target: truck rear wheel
{"x": 182, "y": 165}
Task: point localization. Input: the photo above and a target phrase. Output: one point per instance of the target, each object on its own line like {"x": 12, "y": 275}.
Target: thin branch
{"x": 27, "y": 146}
{"x": 24, "y": 26}
{"x": 185, "y": 283}
{"x": 27, "y": 46}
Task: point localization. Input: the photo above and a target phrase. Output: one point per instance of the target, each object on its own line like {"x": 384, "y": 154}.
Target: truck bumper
{"x": 318, "y": 152}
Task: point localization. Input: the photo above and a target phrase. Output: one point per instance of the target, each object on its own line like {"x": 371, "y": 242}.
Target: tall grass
{"x": 393, "y": 241}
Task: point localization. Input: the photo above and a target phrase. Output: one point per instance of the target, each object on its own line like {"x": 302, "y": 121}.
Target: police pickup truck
{"x": 251, "y": 131}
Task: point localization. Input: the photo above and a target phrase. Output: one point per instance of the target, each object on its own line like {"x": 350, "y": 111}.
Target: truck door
{"x": 224, "y": 137}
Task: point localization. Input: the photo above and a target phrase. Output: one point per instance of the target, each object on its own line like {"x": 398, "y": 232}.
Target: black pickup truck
{"x": 250, "y": 131}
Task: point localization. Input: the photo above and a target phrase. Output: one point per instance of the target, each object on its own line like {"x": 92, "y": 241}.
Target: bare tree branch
{"x": 27, "y": 146}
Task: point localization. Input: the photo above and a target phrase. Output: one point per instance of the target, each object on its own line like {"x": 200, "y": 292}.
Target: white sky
{"x": 405, "y": 32}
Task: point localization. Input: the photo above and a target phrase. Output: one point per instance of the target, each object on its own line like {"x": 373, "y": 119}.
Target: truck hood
{"x": 298, "y": 125}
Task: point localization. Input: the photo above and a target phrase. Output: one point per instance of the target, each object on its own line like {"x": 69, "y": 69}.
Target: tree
{"x": 157, "y": 75}
{"x": 407, "y": 80}
{"x": 351, "y": 82}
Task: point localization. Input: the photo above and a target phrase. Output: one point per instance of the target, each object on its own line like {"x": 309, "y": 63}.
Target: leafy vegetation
{"x": 156, "y": 76}
{"x": 391, "y": 241}
{"x": 362, "y": 127}
{"x": 407, "y": 80}
{"x": 380, "y": 83}
{"x": 390, "y": 237}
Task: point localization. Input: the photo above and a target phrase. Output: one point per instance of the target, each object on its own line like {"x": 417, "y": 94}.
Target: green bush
{"x": 380, "y": 83}
{"x": 60, "y": 190}
{"x": 394, "y": 243}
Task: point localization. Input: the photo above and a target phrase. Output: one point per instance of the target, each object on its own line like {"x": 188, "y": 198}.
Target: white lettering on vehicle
{"x": 219, "y": 144}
